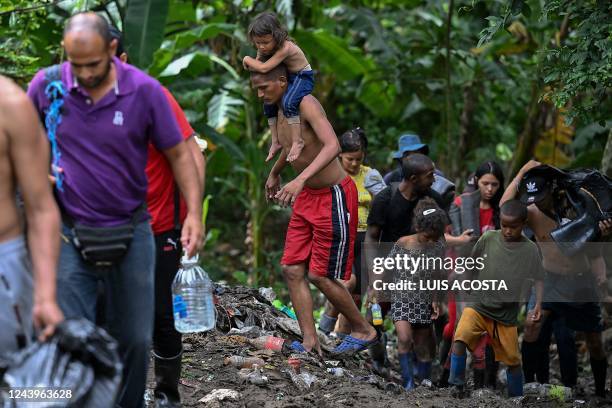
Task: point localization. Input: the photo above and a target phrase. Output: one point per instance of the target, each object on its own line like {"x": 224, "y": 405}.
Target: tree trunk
{"x": 465, "y": 129}
{"x": 606, "y": 160}
{"x": 452, "y": 162}
{"x": 528, "y": 137}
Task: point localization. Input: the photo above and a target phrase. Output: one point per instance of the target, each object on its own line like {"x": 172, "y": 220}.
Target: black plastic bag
{"x": 80, "y": 357}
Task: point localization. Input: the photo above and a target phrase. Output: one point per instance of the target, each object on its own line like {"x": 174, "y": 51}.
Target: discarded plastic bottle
{"x": 285, "y": 309}
{"x": 336, "y": 371}
{"x": 267, "y": 343}
{"x": 295, "y": 364}
{"x": 253, "y": 376}
{"x": 192, "y": 299}
{"x": 377, "y": 319}
{"x": 244, "y": 362}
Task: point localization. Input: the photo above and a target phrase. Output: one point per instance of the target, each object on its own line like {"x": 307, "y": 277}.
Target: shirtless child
{"x": 275, "y": 47}
{"x": 27, "y": 267}
{"x": 564, "y": 276}
{"x": 323, "y": 225}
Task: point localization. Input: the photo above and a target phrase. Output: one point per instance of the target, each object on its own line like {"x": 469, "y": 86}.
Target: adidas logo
{"x": 531, "y": 187}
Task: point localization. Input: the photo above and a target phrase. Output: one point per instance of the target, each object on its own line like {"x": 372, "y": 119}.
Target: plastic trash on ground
{"x": 220, "y": 394}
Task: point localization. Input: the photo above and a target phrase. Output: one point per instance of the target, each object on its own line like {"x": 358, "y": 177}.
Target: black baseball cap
{"x": 533, "y": 188}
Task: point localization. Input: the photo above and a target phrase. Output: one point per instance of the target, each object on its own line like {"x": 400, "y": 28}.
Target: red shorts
{"x": 322, "y": 230}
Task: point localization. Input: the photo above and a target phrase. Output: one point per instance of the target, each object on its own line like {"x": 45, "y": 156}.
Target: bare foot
{"x": 274, "y": 148}
{"x": 296, "y": 149}
{"x": 368, "y": 335}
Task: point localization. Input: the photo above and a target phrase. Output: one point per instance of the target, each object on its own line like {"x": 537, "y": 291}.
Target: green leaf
{"x": 205, "y": 205}
{"x": 219, "y": 139}
{"x": 430, "y": 17}
{"x": 241, "y": 277}
{"x": 503, "y": 152}
{"x": 516, "y": 7}
{"x": 221, "y": 108}
{"x": 191, "y": 65}
{"x": 144, "y": 29}
{"x": 334, "y": 52}
{"x": 377, "y": 95}
{"x": 413, "y": 107}
{"x": 205, "y": 32}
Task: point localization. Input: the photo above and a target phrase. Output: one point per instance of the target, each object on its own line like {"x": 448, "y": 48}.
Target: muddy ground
{"x": 248, "y": 314}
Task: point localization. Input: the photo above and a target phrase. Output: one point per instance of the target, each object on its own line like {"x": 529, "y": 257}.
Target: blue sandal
{"x": 352, "y": 345}
{"x": 297, "y": 347}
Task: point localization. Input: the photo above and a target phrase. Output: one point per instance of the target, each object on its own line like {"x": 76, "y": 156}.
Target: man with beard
{"x": 110, "y": 113}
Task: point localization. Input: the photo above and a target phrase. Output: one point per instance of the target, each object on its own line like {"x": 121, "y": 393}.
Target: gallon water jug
{"x": 192, "y": 299}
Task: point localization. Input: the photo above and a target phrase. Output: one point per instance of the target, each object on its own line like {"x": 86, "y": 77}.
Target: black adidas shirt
{"x": 393, "y": 213}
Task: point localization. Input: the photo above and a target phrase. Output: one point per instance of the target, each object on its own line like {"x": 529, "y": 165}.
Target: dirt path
{"x": 246, "y": 311}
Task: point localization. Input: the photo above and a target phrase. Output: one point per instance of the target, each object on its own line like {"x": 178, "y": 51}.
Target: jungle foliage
{"x": 503, "y": 79}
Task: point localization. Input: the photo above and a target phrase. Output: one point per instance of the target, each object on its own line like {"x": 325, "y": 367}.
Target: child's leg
{"x": 478, "y": 362}
{"x": 271, "y": 112}
{"x": 514, "y": 375}
{"x": 504, "y": 341}
{"x": 297, "y": 143}
{"x": 468, "y": 334}
{"x": 457, "y": 369}
{"x": 275, "y": 146}
{"x": 423, "y": 339}
{"x": 300, "y": 85}
{"x": 491, "y": 369}
{"x": 405, "y": 353}
{"x": 328, "y": 319}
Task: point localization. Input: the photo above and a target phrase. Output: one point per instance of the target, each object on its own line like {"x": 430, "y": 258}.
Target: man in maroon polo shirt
{"x": 111, "y": 112}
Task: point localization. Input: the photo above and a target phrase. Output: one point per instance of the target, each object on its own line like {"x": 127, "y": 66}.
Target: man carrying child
{"x": 323, "y": 225}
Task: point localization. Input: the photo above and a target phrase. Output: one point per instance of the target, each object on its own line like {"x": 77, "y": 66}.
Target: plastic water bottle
{"x": 377, "y": 319}
{"x": 192, "y": 299}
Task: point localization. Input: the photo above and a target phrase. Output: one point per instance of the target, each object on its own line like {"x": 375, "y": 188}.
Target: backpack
{"x": 585, "y": 197}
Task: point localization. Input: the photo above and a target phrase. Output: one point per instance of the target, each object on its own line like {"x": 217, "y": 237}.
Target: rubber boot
{"x": 378, "y": 352}
{"x": 491, "y": 368}
{"x": 529, "y": 358}
{"x": 424, "y": 373}
{"x": 457, "y": 374}
{"x": 599, "y": 368}
{"x": 327, "y": 324}
{"x": 167, "y": 375}
{"x": 515, "y": 383}
{"x": 443, "y": 382}
{"x": 479, "y": 378}
{"x": 406, "y": 366}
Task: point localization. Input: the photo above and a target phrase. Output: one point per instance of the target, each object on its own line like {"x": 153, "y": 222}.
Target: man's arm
{"x": 273, "y": 182}
{"x": 199, "y": 159}
{"x": 184, "y": 170}
{"x": 312, "y": 111}
{"x": 373, "y": 234}
{"x": 29, "y": 153}
{"x": 512, "y": 189}
{"x": 265, "y": 67}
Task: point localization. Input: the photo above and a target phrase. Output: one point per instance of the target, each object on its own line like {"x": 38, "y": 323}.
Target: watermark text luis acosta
{"x": 412, "y": 264}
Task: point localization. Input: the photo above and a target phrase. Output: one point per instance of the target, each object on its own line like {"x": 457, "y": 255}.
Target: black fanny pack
{"x": 105, "y": 247}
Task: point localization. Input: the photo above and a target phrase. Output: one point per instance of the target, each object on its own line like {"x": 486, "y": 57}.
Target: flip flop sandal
{"x": 352, "y": 345}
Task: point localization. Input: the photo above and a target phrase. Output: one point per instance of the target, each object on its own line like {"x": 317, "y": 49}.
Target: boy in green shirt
{"x": 511, "y": 257}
